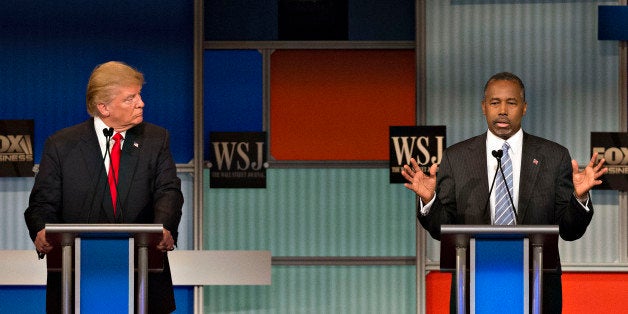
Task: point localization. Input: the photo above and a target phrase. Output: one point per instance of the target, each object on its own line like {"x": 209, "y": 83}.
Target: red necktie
{"x": 114, "y": 166}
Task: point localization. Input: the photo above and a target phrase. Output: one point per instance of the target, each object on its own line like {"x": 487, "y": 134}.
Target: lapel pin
{"x": 536, "y": 162}
{"x": 138, "y": 145}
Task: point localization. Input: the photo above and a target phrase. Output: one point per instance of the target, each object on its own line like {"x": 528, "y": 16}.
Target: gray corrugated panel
{"x": 314, "y": 212}
{"x": 14, "y": 193}
{"x": 320, "y": 289}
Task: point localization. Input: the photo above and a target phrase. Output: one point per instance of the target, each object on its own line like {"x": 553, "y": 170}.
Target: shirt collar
{"x": 494, "y": 143}
{"x": 99, "y": 125}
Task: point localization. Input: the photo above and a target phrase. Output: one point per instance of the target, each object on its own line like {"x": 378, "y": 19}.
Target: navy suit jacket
{"x": 71, "y": 187}
{"x": 545, "y": 191}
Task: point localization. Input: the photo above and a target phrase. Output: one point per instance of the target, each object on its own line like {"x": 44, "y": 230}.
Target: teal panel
{"x": 321, "y": 289}
{"x": 313, "y": 212}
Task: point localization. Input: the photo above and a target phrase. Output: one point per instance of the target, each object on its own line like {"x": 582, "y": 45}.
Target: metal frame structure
{"x": 266, "y": 48}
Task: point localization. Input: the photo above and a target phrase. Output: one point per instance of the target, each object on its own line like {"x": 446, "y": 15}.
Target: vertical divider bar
{"x": 461, "y": 279}
{"x": 142, "y": 279}
{"x": 537, "y": 273}
{"x": 131, "y": 276}
{"x": 77, "y": 276}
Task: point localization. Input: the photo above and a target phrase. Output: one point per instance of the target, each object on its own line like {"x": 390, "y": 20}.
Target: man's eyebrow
{"x": 497, "y": 98}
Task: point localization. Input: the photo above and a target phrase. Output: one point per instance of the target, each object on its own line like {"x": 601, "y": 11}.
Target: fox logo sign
{"x": 237, "y": 160}
{"x": 423, "y": 143}
{"x": 16, "y": 148}
{"x": 613, "y": 147}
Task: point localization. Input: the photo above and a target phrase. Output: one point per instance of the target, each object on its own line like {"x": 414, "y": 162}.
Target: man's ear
{"x": 103, "y": 110}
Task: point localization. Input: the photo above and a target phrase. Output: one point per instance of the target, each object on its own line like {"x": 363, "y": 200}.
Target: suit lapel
{"x": 478, "y": 170}
{"x": 93, "y": 158}
{"x": 530, "y": 160}
{"x": 128, "y": 164}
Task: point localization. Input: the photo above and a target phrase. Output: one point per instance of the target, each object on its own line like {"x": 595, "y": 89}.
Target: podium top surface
{"x": 104, "y": 228}
{"x": 505, "y": 230}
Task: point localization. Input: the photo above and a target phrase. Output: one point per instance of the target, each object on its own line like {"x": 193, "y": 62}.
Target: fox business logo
{"x": 423, "y": 143}
{"x": 613, "y": 147}
{"x": 616, "y": 158}
{"x": 237, "y": 160}
{"x": 16, "y": 148}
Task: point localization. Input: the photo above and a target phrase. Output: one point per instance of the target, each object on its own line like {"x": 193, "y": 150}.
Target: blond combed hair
{"x": 105, "y": 79}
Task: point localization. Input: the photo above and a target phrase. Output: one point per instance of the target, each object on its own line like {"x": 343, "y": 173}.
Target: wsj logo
{"x": 426, "y": 150}
{"x": 616, "y": 158}
{"x": 16, "y": 148}
{"x": 240, "y": 156}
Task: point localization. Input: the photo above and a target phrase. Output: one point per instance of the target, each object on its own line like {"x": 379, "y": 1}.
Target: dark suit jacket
{"x": 545, "y": 191}
{"x": 71, "y": 187}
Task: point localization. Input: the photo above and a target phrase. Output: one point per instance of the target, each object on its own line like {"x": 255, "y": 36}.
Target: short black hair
{"x": 506, "y": 76}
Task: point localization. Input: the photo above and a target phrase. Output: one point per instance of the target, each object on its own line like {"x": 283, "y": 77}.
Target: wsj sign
{"x": 16, "y": 148}
{"x": 237, "y": 160}
{"x": 613, "y": 147}
{"x": 423, "y": 143}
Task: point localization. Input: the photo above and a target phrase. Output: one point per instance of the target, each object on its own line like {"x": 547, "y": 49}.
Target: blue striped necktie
{"x": 504, "y": 213}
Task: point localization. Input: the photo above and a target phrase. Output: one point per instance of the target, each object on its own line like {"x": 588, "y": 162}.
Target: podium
{"x": 128, "y": 247}
{"x": 501, "y": 260}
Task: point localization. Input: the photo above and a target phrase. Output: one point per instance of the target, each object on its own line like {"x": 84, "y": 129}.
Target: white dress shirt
{"x": 99, "y": 125}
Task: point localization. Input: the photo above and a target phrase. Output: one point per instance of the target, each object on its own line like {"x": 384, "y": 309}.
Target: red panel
{"x": 437, "y": 289}
{"x": 339, "y": 104}
{"x": 590, "y": 293}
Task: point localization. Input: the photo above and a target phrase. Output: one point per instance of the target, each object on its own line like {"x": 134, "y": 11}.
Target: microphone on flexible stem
{"x": 107, "y": 132}
{"x": 498, "y": 155}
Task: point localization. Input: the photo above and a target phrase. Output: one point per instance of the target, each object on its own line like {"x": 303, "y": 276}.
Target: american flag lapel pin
{"x": 535, "y": 162}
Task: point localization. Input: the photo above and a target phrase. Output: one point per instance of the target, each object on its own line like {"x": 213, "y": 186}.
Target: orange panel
{"x": 339, "y": 104}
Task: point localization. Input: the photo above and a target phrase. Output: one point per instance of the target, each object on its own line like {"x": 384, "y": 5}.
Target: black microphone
{"x": 107, "y": 132}
{"x": 498, "y": 155}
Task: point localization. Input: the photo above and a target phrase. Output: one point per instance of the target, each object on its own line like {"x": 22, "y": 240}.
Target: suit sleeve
{"x": 167, "y": 196}
{"x": 45, "y": 200}
{"x": 443, "y": 210}
{"x": 572, "y": 218}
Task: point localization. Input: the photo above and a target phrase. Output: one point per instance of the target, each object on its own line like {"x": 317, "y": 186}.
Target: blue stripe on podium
{"x": 104, "y": 275}
{"x": 499, "y": 276}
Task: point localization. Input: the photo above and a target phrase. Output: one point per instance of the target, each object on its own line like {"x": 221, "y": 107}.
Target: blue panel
{"x": 49, "y": 48}
{"x": 499, "y": 275}
{"x": 184, "y": 299}
{"x": 612, "y": 22}
{"x": 104, "y": 275}
{"x": 381, "y": 20}
{"x": 232, "y": 92}
{"x": 22, "y": 299}
{"x": 241, "y": 20}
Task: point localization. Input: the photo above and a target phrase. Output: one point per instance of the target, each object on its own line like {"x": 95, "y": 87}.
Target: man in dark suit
{"x": 548, "y": 188}
{"x": 72, "y": 184}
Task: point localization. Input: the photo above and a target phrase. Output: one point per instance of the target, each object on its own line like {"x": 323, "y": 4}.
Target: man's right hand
{"x": 41, "y": 244}
{"x": 424, "y": 186}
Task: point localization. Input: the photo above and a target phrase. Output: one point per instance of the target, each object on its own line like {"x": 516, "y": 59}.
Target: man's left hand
{"x": 167, "y": 242}
{"x": 586, "y": 179}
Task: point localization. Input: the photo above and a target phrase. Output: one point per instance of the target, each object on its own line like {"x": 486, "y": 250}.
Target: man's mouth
{"x": 502, "y": 123}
